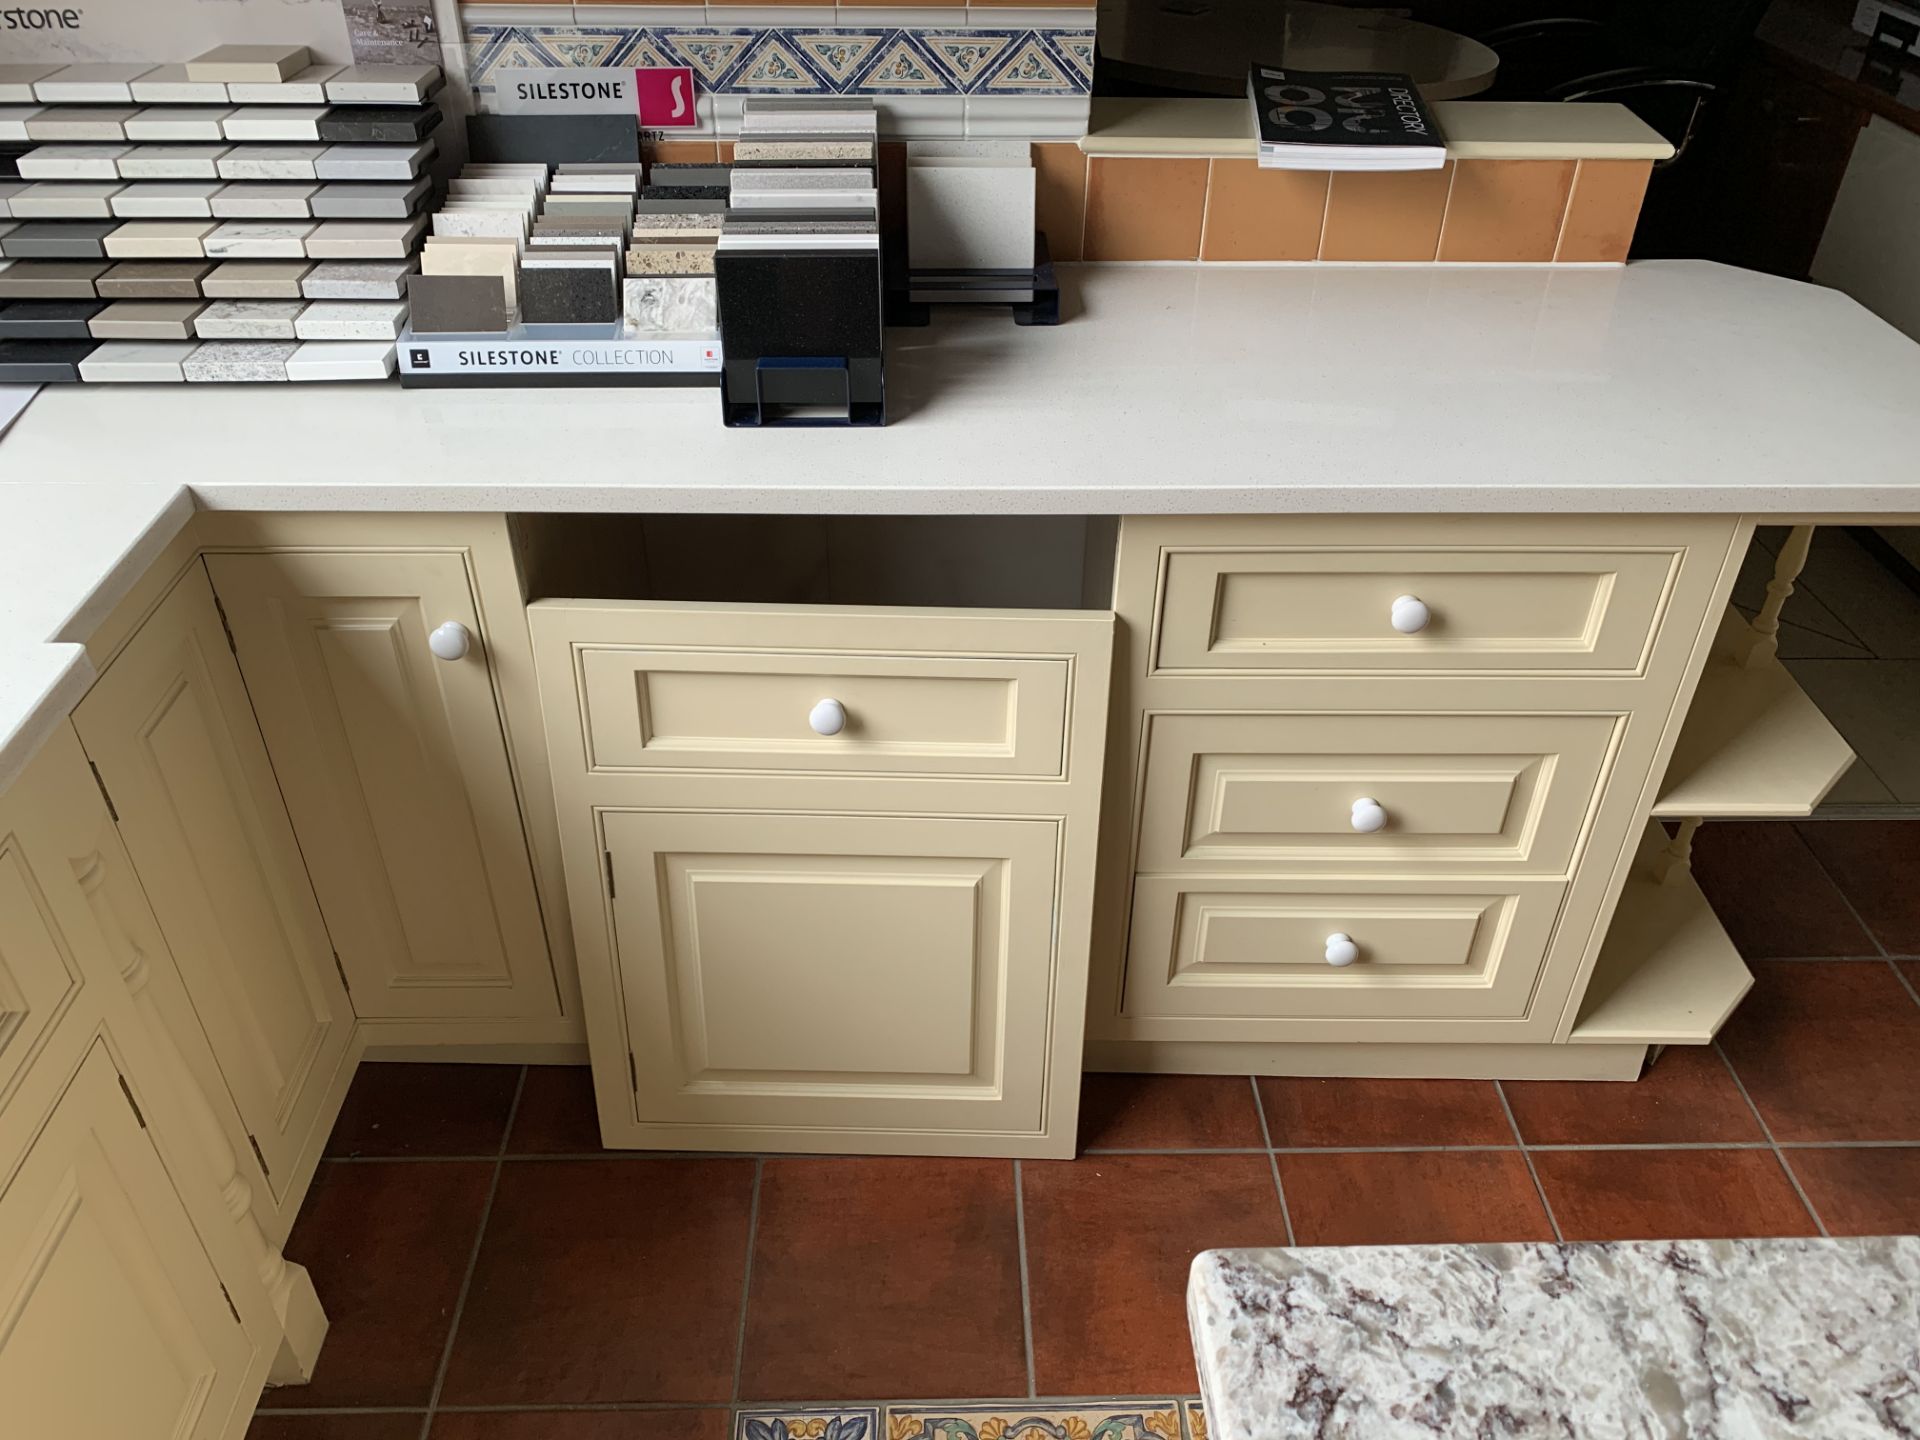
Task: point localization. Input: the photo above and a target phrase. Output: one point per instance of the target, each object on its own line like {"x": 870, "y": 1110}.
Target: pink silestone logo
{"x": 666, "y": 96}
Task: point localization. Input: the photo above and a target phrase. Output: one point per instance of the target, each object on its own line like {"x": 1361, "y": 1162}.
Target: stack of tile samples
{"x": 249, "y": 174}
{"x": 970, "y": 232}
{"x": 677, "y": 220}
{"x": 798, "y": 268}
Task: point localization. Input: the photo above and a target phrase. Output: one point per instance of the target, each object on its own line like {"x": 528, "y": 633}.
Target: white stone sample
{"x": 86, "y": 124}
{"x": 179, "y": 123}
{"x": 166, "y": 199}
{"x": 309, "y": 87}
{"x": 383, "y": 84}
{"x": 365, "y": 239}
{"x": 258, "y": 64}
{"x": 125, "y": 362}
{"x": 65, "y": 200}
{"x": 265, "y": 200}
{"x": 249, "y": 319}
{"x": 260, "y": 239}
{"x": 970, "y": 217}
{"x": 374, "y": 162}
{"x": 160, "y": 240}
{"x": 74, "y": 162}
{"x": 271, "y": 122}
{"x": 96, "y": 83}
{"x": 351, "y": 320}
{"x": 342, "y": 360}
{"x": 169, "y": 85}
{"x": 271, "y": 162}
{"x": 670, "y": 305}
{"x": 172, "y": 162}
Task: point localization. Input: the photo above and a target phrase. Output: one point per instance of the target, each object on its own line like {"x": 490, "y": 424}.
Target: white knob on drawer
{"x": 829, "y": 717}
{"x": 1410, "y": 614}
{"x": 1369, "y": 815}
{"x": 450, "y": 641}
{"x": 1341, "y": 951}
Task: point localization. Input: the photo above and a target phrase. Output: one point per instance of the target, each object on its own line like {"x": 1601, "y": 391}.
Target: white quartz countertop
{"x": 1706, "y": 1338}
{"x": 1666, "y": 386}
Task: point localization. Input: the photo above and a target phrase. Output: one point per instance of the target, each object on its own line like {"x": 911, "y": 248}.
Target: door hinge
{"x": 132, "y": 1104}
{"x": 259, "y": 1155}
{"x": 232, "y": 1309}
{"x": 221, "y": 610}
{"x": 633, "y": 1072}
{"x": 611, "y": 893}
{"x": 112, "y": 814}
{"x": 344, "y": 983}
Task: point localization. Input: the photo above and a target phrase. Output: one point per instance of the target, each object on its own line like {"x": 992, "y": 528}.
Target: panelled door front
{"x": 396, "y": 774}
{"x": 169, "y": 728}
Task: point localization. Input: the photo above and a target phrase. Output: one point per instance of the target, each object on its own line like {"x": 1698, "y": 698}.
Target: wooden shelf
{"x": 1667, "y": 973}
{"x": 1753, "y": 744}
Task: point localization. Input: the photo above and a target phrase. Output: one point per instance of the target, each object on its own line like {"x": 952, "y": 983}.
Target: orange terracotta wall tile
{"x": 1394, "y": 215}
{"x": 1255, "y": 214}
{"x": 1060, "y": 197}
{"x": 1603, "y": 210}
{"x": 689, "y": 152}
{"x": 1144, "y": 209}
{"x": 1506, "y": 210}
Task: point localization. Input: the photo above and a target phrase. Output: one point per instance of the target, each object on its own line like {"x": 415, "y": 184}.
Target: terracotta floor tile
{"x": 1771, "y": 894}
{"x": 603, "y": 1281}
{"x": 390, "y": 1426}
{"x": 1911, "y": 970}
{"x": 1862, "y": 1192}
{"x": 584, "y": 1425}
{"x": 884, "y": 1277}
{"x": 1109, "y": 1240}
{"x": 556, "y": 1114}
{"x": 1168, "y": 1112}
{"x": 1876, "y": 864}
{"x": 1383, "y": 1112}
{"x": 1686, "y": 1097}
{"x": 1412, "y": 1198}
{"x": 387, "y": 1246}
{"x": 1827, "y": 1051}
{"x": 408, "y": 1109}
{"x": 1670, "y": 1194}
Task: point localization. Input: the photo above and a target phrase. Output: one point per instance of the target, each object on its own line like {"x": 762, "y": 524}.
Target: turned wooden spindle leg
{"x": 303, "y": 1323}
{"x": 1764, "y": 643}
{"x": 1677, "y": 859}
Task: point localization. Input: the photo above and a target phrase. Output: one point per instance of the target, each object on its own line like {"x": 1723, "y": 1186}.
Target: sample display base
{"x": 1033, "y": 296}
{"x": 556, "y": 355}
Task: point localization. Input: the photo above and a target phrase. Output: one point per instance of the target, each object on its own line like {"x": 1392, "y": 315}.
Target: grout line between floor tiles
{"x": 1779, "y": 1156}
{"x": 1273, "y": 1160}
{"x": 1845, "y": 899}
{"x": 1901, "y": 976}
{"x": 1554, "y": 1220}
{"x": 473, "y": 1257}
{"x": 1026, "y": 1286}
{"x": 746, "y": 1279}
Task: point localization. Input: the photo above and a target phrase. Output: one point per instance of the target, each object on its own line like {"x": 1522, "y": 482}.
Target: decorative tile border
{"x": 1196, "y": 1419}
{"x": 831, "y": 1423}
{"x": 806, "y": 59}
{"x": 1133, "y": 1420}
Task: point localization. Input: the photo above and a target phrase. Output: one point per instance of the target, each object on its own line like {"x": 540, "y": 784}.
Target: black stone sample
{"x": 681, "y": 172}
{"x": 41, "y": 362}
{"x": 798, "y": 302}
{"x": 568, "y": 295}
{"x": 457, "y": 305}
{"x": 48, "y": 319}
{"x": 59, "y": 239}
{"x": 390, "y": 124}
{"x": 552, "y": 139}
{"x": 684, "y": 192}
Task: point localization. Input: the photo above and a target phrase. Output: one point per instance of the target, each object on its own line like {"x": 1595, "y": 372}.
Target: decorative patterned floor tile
{"x": 1196, "y": 1419}
{"x": 1130, "y": 1420}
{"x": 831, "y": 1423}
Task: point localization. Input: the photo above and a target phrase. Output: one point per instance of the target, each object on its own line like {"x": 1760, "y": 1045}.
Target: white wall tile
{"x": 921, "y": 117}
{"x": 1033, "y": 117}
{"x": 860, "y": 15}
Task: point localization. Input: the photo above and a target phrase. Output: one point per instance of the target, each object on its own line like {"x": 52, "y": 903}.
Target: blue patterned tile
{"x": 1111, "y": 1420}
{"x": 838, "y": 1422}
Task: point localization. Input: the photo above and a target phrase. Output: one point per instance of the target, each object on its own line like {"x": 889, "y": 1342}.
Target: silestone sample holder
{"x": 556, "y": 355}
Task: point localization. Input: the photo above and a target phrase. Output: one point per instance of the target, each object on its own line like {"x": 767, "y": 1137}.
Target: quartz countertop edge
{"x": 1222, "y": 129}
{"x": 1667, "y": 387}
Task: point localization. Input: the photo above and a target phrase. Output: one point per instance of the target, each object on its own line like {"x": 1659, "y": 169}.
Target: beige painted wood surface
{"x": 169, "y": 728}
{"x": 115, "y": 1326}
{"x": 395, "y": 774}
{"x": 833, "y": 942}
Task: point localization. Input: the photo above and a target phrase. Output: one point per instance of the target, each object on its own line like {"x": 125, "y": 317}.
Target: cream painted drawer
{"x": 664, "y": 687}
{"x": 1504, "y": 793}
{"x": 1247, "y": 956}
{"x": 1532, "y": 609}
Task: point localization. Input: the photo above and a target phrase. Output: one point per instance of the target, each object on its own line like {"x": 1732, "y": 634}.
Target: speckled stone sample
{"x": 256, "y": 280}
{"x": 160, "y": 239}
{"x": 357, "y": 280}
{"x": 796, "y": 303}
{"x": 260, "y": 239}
{"x": 154, "y": 279}
{"x": 47, "y": 319}
{"x": 457, "y": 305}
{"x": 16, "y": 81}
{"x": 655, "y": 194}
{"x": 166, "y": 199}
{"x": 249, "y": 319}
{"x": 1703, "y": 1338}
{"x": 265, "y": 200}
{"x": 670, "y": 305}
{"x": 172, "y": 162}
{"x": 666, "y": 258}
{"x": 677, "y": 222}
{"x": 786, "y": 149}
{"x": 146, "y": 320}
{"x": 355, "y": 200}
{"x": 351, "y": 320}
{"x": 125, "y": 362}
{"x": 50, "y": 279}
{"x": 240, "y": 361}
{"x": 481, "y": 222}
{"x": 568, "y": 295}
{"x": 341, "y": 360}
{"x": 686, "y": 172}
{"x": 59, "y": 240}
{"x": 39, "y": 362}
{"x": 373, "y": 124}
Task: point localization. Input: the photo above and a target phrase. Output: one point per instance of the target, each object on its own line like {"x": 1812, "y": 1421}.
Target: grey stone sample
{"x": 256, "y": 280}
{"x": 368, "y": 200}
{"x": 40, "y": 362}
{"x": 146, "y": 320}
{"x": 680, "y": 173}
{"x": 240, "y": 360}
{"x": 645, "y": 206}
{"x": 552, "y": 139}
{"x": 378, "y": 123}
{"x": 568, "y": 295}
{"x": 154, "y": 279}
{"x": 59, "y": 239}
{"x": 50, "y": 279}
{"x": 458, "y": 305}
{"x": 47, "y": 319}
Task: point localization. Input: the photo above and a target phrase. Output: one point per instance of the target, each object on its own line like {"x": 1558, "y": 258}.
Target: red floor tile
{"x": 1383, "y": 1112}
{"x": 408, "y": 1109}
{"x": 1876, "y": 864}
{"x": 556, "y": 1114}
{"x": 1771, "y": 894}
{"x": 1910, "y": 969}
{"x": 1862, "y": 1192}
{"x": 884, "y": 1277}
{"x": 584, "y": 1425}
{"x": 1168, "y": 1112}
{"x": 388, "y": 1246}
{"x": 1670, "y": 1194}
{"x": 1687, "y": 1096}
{"x": 1827, "y": 1052}
{"x": 1412, "y": 1198}
{"x": 606, "y": 1281}
{"x": 336, "y": 1427}
{"x": 1109, "y": 1241}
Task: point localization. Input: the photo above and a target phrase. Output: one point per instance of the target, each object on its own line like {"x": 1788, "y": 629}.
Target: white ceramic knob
{"x": 1341, "y": 951}
{"x": 829, "y": 717}
{"x": 450, "y": 641}
{"x": 1368, "y": 815}
{"x": 1410, "y": 614}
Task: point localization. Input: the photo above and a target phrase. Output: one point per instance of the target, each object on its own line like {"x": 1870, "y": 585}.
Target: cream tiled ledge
{"x": 1475, "y": 130}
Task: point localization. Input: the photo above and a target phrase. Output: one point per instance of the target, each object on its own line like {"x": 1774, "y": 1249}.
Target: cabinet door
{"x": 170, "y": 731}
{"x": 821, "y": 982}
{"x": 115, "y": 1324}
{"x": 395, "y": 772}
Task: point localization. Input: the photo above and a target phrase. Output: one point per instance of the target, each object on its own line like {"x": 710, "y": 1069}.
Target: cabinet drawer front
{"x": 745, "y": 709}
{"x": 1235, "y": 950}
{"x": 1492, "y": 609}
{"x": 856, "y": 972}
{"x": 1459, "y": 792}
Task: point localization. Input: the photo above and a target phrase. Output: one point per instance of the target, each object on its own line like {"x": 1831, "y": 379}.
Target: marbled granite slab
{"x": 271, "y": 162}
{"x": 671, "y": 305}
{"x": 249, "y": 319}
{"x": 260, "y": 239}
{"x": 351, "y": 320}
{"x": 357, "y": 280}
{"x": 1701, "y": 1338}
{"x": 240, "y": 360}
